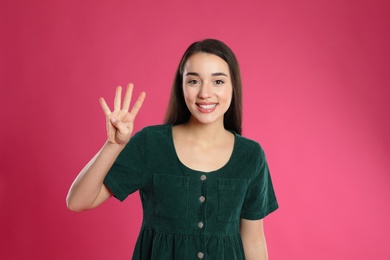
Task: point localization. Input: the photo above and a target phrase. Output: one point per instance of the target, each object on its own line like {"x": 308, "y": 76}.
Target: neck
{"x": 205, "y": 133}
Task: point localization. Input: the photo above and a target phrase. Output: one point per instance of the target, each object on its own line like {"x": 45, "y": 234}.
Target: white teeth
{"x": 208, "y": 106}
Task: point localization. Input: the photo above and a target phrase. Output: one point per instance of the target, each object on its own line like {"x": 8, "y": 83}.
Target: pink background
{"x": 316, "y": 96}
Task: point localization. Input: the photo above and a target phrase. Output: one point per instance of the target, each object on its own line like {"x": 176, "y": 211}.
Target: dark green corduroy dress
{"x": 189, "y": 214}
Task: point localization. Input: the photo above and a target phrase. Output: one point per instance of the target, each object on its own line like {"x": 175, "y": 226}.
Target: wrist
{"x": 114, "y": 147}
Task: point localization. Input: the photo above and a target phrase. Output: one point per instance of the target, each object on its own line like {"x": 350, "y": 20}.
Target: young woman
{"x": 204, "y": 188}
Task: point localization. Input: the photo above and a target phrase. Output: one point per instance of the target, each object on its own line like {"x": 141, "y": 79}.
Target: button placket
{"x": 202, "y": 215}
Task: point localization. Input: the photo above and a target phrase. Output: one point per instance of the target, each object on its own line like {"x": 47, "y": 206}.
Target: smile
{"x": 207, "y": 107}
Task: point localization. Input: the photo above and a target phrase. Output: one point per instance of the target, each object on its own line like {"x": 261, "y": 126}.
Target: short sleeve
{"x": 129, "y": 173}
{"x": 260, "y": 199}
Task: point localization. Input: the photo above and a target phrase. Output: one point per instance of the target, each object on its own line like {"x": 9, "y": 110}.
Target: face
{"x": 207, "y": 88}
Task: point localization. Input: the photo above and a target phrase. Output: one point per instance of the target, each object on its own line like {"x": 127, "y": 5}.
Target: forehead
{"x": 205, "y": 63}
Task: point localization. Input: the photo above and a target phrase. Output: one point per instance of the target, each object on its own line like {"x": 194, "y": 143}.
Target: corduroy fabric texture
{"x": 189, "y": 214}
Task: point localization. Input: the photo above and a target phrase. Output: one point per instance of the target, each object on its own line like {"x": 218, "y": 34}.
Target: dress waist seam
{"x": 198, "y": 233}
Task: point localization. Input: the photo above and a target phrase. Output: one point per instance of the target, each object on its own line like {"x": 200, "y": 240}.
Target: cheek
{"x": 228, "y": 94}
{"x": 189, "y": 92}
{"x": 188, "y": 97}
{"x": 229, "y": 97}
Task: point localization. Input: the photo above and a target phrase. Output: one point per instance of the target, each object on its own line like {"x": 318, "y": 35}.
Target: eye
{"x": 219, "y": 82}
{"x": 193, "y": 82}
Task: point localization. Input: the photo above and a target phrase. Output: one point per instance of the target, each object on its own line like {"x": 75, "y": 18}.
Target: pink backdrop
{"x": 316, "y": 96}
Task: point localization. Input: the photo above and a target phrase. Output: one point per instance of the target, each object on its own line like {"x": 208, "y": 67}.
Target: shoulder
{"x": 154, "y": 134}
{"x": 153, "y": 129}
{"x": 250, "y": 152}
{"x": 150, "y": 136}
{"x": 156, "y": 128}
{"x": 249, "y": 145}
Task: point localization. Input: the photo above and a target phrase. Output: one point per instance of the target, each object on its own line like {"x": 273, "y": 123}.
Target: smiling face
{"x": 207, "y": 88}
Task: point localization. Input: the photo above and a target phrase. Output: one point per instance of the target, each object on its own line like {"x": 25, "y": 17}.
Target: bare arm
{"x": 88, "y": 190}
{"x": 253, "y": 239}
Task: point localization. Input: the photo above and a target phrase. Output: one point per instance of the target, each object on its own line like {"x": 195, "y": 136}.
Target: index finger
{"x": 138, "y": 104}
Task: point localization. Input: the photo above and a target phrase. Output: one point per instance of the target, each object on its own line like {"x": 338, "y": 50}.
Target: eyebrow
{"x": 213, "y": 74}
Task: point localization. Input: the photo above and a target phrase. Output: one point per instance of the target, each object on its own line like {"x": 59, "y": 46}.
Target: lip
{"x": 204, "y": 107}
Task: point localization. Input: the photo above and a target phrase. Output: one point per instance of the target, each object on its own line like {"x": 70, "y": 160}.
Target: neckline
{"x": 172, "y": 144}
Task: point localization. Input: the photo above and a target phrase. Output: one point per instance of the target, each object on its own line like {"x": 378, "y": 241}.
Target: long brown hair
{"x": 178, "y": 112}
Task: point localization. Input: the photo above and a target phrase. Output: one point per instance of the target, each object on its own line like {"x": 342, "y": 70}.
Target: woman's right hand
{"x": 120, "y": 122}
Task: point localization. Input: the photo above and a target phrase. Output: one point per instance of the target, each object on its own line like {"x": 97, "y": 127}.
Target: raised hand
{"x": 120, "y": 122}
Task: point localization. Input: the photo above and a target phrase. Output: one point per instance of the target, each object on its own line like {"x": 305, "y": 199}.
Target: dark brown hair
{"x": 178, "y": 112}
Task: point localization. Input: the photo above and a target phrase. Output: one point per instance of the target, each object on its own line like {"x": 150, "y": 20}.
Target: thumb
{"x": 121, "y": 127}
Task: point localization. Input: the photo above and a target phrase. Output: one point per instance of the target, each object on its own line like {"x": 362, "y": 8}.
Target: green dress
{"x": 189, "y": 214}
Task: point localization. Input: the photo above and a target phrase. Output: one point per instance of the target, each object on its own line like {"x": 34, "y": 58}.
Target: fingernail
{"x": 113, "y": 120}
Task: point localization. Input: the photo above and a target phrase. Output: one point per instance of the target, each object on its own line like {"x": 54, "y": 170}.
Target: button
{"x": 200, "y": 255}
{"x": 202, "y": 199}
{"x": 203, "y": 177}
{"x": 200, "y": 224}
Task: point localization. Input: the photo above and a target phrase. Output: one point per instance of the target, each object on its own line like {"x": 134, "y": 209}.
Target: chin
{"x": 207, "y": 121}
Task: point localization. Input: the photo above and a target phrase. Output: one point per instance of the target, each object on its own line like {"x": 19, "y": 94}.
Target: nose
{"x": 205, "y": 91}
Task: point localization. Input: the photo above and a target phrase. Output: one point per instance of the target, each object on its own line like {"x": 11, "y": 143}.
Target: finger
{"x": 117, "y": 100}
{"x": 121, "y": 127}
{"x": 104, "y": 106}
{"x": 138, "y": 104}
{"x": 127, "y": 99}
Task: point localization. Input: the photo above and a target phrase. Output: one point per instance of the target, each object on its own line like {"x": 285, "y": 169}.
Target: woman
{"x": 204, "y": 188}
